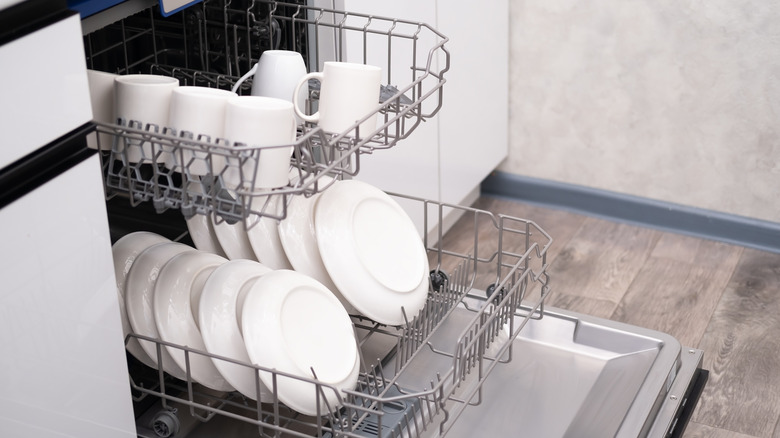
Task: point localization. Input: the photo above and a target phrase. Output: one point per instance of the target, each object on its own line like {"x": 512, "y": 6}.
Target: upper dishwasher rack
{"x": 212, "y": 44}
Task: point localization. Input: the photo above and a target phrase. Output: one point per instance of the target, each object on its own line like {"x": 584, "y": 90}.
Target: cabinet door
{"x": 474, "y": 117}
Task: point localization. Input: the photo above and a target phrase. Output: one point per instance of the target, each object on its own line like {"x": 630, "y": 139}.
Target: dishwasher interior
{"x": 484, "y": 357}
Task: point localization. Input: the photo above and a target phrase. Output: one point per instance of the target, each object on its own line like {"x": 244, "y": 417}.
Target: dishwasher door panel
{"x": 63, "y": 370}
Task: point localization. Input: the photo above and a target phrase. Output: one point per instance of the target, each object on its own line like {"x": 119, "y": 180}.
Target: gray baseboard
{"x": 730, "y": 228}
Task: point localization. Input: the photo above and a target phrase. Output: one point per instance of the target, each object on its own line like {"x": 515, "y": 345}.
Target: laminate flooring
{"x": 721, "y": 298}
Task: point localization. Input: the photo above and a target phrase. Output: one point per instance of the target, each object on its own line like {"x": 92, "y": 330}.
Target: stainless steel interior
{"x": 571, "y": 375}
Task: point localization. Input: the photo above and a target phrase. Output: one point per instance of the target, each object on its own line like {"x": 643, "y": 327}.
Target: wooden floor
{"x": 720, "y": 298}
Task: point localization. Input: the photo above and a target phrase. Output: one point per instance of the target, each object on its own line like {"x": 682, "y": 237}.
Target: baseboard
{"x": 729, "y": 228}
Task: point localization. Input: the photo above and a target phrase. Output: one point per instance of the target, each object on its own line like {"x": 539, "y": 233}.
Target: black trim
{"x": 33, "y": 170}
{"x": 689, "y": 403}
{"x": 29, "y": 16}
{"x": 730, "y": 228}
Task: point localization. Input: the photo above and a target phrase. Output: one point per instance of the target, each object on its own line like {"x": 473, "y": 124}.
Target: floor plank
{"x": 698, "y": 430}
{"x": 679, "y": 287}
{"x": 741, "y": 347}
{"x": 600, "y": 262}
{"x": 580, "y": 304}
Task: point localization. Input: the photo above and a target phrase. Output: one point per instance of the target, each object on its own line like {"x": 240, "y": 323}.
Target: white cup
{"x": 145, "y": 99}
{"x": 276, "y": 74}
{"x": 101, "y": 94}
{"x": 199, "y": 113}
{"x": 348, "y": 93}
{"x": 266, "y": 122}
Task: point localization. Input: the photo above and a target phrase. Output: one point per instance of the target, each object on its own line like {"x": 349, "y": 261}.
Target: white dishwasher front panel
{"x": 45, "y": 92}
{"x": 63, "y": 369}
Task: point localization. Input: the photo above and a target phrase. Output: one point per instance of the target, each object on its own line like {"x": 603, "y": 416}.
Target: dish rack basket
{"x": 507, "y": 258}
{"x": 216, "y": 41}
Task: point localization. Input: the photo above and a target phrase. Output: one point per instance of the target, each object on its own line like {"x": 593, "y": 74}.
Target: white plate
{"x": 124, "y": 251}
{"x": 201, "y": 229}
{"x": 299, "y": 240}
{"x": 234, "y": 240}
{"x": 293, "y": 324}
{"x": 372, "y": 251}
{"x": 263, "y": 235}
{"x": 203, "y": 235}
{"x": 176, "y": 299}
{"x": 218, "y": 312}
{"x": 139, "y": 299}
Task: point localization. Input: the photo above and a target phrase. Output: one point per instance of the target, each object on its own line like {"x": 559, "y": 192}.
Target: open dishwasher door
{"x": 572, "y": 375}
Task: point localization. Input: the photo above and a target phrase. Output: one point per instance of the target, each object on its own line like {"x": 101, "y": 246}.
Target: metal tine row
{"x": 440, "y": 304}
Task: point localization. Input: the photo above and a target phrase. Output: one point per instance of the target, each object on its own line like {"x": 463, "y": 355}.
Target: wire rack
{"x": 212, "y": 44}
{"x": 386, "y": 402}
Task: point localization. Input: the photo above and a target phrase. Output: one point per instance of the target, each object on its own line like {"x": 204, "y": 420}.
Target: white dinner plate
{"x": 234, "y": 240}
{"x": 299, "y": 240}
{"x": 139, "y": 299}
{"x": 176, "y": 300}
{"x": 124, "y": 251}
{"x": 263, "y": 234}
{"x": 201, "y": 228}
{"x": 220, "y": 304}
{"x": 203, "y": 235}
{"x": 372, "y": 251}
{"x": 293, "y": 324}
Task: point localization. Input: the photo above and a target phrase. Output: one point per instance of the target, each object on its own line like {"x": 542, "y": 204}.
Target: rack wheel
{"x": 438, "y": 278}
{"x": 492, "y": 288}
{"x": 166, "y": 423}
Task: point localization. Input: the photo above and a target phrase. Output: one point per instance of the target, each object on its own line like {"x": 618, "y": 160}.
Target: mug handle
{"x": 243, "y": 78}
{"x": 314, "y": 118}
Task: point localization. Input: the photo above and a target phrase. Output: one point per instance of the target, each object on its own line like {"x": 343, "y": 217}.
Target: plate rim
{"x": 178, "y": 294}
{"x": 124, "y": 252}
{"x": 139, "y": 323}
{"x": 240, "y": 271}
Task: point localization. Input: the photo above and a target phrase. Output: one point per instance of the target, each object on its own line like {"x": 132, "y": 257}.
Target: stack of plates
{"x": 352, "y": 249}
{"x": 353, "y": 238}
{"x": 202, "y": 302}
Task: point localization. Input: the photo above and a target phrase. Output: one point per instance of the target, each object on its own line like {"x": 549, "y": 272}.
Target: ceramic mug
{"x": 276, "y": 74}
{"x": 143, "y": 99}
{"x": 266, "y": 122}
{"x": 101, "y": 94}
{"x": 348, "y": 93}
{"x": 198, "y": 113}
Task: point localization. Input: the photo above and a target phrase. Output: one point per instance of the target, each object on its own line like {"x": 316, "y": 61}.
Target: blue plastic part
{"x": 90, "y": 7}
{"x": 85, "y": 8}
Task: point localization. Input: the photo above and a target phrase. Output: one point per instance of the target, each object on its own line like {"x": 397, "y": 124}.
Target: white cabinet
{"x": 447, "y": 157}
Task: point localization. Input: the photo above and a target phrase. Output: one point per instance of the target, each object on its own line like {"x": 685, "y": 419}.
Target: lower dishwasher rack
{"x": 507, "y": 258}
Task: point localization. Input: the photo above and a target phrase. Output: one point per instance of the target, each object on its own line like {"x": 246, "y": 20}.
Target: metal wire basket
{"x": 437, "y": 361}
{"x": 212, "y": 44}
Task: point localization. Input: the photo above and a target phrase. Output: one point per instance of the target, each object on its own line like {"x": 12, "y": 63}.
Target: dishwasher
{"x": 484, "y": 357}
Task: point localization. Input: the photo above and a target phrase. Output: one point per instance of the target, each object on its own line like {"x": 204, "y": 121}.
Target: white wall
{"x": 672, "y": 100}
